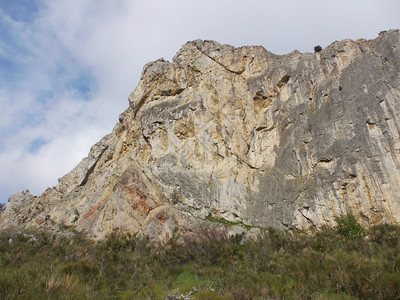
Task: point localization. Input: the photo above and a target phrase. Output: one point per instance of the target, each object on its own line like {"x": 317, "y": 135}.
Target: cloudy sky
{"x": 68, "y": 67}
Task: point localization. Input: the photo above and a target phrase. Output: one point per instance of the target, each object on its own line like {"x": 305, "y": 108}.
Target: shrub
{"x": 348, "y": 227}
{"x": 385, "y": 235}
{"x": 317, "y": 48}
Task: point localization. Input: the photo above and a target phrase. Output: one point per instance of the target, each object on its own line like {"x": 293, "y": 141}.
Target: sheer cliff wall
{"x": 243, "y": 137}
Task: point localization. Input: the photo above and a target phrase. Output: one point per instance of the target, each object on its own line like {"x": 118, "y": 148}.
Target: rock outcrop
{"x": 243, "y": 137}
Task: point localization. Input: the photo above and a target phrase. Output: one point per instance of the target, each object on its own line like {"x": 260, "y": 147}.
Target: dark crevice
{"x": 245, "y": 162}
{"x": 225, "y": 67}
{"x": 260, "y": 96}
{"x": 265, "y": 128}
{"x": 139, "y": 104}
{"x": 283, "y": 81}
{"x": 146, "y": 138}
{"x": 325, "y": 160}
{"x": 91, "y": 169}
{"x": 172, "y": 92}
{"x": 304, "y": 216}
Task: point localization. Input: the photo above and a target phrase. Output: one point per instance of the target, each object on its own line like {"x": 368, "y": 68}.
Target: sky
{"x": 68, "y": 67}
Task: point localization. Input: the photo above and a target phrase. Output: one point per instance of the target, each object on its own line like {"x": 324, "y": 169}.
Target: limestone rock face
{"x": 243, "y": 137}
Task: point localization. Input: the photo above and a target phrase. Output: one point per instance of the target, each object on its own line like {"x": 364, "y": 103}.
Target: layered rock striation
{"x": 243, "y": 137}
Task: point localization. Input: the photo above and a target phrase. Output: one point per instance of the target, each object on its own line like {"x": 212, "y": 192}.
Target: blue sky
{"x": 68, "y": 67}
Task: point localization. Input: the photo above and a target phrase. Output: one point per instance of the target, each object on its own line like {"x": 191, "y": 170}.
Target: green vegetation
{"x": 348, "y": 227}
{"x": 317, "y": 48}
{"x": 340, "y": 263}
{"x": 229, "y": 223}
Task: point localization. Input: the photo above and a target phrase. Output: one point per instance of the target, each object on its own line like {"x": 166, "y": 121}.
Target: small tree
{"x": 317, "y": 48}
{"x": 348, "y": 227}
{"x": 2, "y": 206}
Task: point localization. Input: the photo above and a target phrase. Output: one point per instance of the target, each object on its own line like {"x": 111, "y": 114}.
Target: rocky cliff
{"x": 243, "y": 137}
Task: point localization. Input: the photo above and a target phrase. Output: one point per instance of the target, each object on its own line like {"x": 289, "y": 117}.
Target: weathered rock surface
{"x": 240, "y": 136}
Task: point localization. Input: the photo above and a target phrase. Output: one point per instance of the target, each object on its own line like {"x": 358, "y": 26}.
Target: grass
{"x": 325, "y": 264}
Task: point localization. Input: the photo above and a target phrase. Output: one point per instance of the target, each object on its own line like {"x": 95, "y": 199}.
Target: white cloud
{"x": 110, "y": 41}
{"x": 68, "y": 133}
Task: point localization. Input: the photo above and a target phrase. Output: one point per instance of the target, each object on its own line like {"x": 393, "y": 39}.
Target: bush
{"x": 348, "y": 227}
{"x": 385, "y": 235}
{"x": 317, "y": 48}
